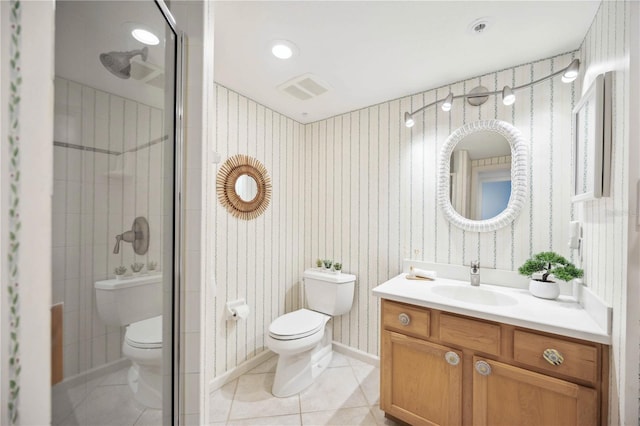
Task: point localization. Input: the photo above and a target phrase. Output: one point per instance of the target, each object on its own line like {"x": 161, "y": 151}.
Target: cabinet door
{"x": 507, "y": 395}
{"x": 421, "y": 383}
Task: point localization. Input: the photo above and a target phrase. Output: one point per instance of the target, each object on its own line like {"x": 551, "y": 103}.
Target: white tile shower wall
{"x": 259, "y": 260}
{"x": 96, "y": 196}
{"x": 606, "y": 47}
{"x": 370, "y": 186}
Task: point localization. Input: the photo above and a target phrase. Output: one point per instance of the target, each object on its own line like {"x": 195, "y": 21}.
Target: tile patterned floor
{"x": 346, "y": 393}
{"x": 106, "y": 400}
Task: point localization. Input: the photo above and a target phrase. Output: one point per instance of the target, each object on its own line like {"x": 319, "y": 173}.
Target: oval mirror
{"x": 482, "y": 175}
{"x": 246, "y": 187}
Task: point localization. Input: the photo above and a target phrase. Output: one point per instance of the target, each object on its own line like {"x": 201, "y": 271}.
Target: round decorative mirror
{"x": 482, "y": 175}
{"x": 244, "y": 187}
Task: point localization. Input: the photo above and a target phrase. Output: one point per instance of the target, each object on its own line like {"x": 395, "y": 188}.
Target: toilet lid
{"x": 145, "y": 334}
{"x": 297, "y": 324}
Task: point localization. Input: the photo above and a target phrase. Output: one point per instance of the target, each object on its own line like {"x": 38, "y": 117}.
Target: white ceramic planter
{"x": 544, "y": 290}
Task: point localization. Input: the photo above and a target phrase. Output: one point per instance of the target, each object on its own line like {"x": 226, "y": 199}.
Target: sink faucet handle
{"x": 475, "y": 266}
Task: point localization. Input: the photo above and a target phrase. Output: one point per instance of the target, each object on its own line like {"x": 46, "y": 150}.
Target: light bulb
{"x": 145, "y": 36}
{"x": 571, "y": 72}
{"x": 408, "y": 120}
{"x": 282, "y": 51}
{"x": 448, "y": 102}
{"x": 508, "y": 97}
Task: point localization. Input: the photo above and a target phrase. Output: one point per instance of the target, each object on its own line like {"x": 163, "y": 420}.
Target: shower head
{"x": 119, "y": 63}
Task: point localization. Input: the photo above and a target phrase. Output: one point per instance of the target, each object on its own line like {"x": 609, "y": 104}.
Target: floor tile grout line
{"x": 233, "y": 399}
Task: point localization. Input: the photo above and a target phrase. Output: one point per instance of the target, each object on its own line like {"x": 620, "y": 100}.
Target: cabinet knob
{"x": 404, "y": 319}
{"x": 452, "y": 358}
{"x": 483, "y": 368}
{"x": 553, "y": 356}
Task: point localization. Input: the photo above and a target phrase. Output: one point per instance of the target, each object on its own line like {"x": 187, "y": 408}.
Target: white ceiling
{"x": 85, "y": 29}
{"x": 373, "y": 51}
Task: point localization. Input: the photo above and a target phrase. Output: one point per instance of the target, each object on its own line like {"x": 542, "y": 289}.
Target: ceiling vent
{"x": 304, "y": 87}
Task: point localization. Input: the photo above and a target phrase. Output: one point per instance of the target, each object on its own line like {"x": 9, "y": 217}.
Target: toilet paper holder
{"x": 237, "y": 309}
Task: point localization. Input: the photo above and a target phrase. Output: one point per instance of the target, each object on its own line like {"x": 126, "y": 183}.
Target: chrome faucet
{"x": 475, "y": 273}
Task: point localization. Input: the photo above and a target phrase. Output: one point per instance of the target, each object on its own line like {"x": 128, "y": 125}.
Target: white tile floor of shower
{"x": 346, "y": 393}
{"x": 105, "y": 401}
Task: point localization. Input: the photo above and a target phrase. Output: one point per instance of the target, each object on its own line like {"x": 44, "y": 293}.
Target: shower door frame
{"x": 177, "y": 216}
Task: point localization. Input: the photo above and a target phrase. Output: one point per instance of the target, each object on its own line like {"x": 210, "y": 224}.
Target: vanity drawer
{"x": 405, "y": 319}
{"x": 578, "y": 360}
{"x": 472, "y": 334}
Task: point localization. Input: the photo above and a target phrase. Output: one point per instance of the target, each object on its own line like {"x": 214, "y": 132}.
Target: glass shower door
{"x": 113, "y": 218}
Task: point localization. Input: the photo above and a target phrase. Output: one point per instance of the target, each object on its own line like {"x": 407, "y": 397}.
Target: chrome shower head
{"x": 119, "y": 63}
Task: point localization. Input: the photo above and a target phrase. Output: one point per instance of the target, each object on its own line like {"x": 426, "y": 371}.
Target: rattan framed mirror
{"x": 244, "y": 187}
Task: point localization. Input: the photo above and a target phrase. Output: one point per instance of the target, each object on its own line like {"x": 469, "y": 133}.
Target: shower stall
{"x": 115, "y": 213}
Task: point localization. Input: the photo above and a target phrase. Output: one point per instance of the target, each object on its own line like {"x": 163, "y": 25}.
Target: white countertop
{"x": 563, "y": 316}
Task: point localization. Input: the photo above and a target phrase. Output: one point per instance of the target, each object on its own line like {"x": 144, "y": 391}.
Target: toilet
{"x": 137, "y": 303}
{"x": 303, "y": 338}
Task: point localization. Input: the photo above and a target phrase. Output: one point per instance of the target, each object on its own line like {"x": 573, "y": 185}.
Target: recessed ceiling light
{"x": 283, "y": 49}
{"x": 145, "y": 36}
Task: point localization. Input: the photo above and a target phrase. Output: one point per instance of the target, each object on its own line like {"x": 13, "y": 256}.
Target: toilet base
{"x": 296, "y": 372}
{"x": 146, "y": 386}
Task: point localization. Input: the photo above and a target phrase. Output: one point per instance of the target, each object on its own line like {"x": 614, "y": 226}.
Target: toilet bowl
{"x": 303, "y": 338}
{"x": 137, "y": 303}
{"x": 143, "y": 346}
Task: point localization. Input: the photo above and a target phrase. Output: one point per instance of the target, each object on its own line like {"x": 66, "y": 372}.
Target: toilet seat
{"x": 297, "y": 325}
{"x": 145, "y": 334}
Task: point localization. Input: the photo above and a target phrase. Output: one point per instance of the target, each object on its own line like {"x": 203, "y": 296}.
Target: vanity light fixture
{"x": 448, "y": 102}
{"x": 569, "y": 74}
{"x": 408, "y": 120}
{"x": 508, "y": 97}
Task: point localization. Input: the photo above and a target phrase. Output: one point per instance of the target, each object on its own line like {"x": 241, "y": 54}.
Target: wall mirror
{"x": 244, "y": 187}
{"x": 592, "y": 141}
{"x": 482, "y": 175}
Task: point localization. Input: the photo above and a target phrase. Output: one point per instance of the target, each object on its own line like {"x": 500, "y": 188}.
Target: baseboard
{"x": 239, "y": 370}
{"x": 357, "y": 354}
{"x": 88, "y": 375}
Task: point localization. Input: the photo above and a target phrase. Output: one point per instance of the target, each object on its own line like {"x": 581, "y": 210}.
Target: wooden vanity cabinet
{"x": 439, "y": 368}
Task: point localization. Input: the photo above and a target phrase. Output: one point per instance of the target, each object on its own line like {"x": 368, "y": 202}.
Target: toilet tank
{"x": 329, "y": 293}
{"x": 125, "y": 301}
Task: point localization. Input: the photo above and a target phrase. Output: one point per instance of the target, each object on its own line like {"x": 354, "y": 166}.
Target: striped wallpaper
{"x": 106, "y": 173}
{"x": 606, "y": 47}
{"x": 372, "y": 187}
{"x": 359, "y": 188}
{"x": 259, "y": 260}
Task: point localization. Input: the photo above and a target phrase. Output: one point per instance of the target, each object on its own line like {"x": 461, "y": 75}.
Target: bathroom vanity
{"x": 452, "y": 354}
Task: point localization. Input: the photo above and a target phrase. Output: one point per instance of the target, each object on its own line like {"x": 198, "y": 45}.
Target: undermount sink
{"x": 475, "y": 295}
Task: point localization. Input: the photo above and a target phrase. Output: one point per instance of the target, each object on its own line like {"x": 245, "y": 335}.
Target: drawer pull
{"x": 483, "y": 368}
{"x": 452, "y": 358}
{"x": 553, "y": 356}
{"x": 404, "y": 319}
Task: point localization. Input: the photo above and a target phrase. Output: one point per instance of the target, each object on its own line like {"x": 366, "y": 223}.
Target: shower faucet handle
{"x": 138, "y": 236}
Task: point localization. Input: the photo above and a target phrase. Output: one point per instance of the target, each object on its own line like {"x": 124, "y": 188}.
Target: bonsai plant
{"x": 542, "y": 267}
{"x": 327, "y": 263}
{"x": 120, "y": 271}
{"x": 319, "y": 263}
{"x": 337, "y": 266}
